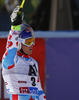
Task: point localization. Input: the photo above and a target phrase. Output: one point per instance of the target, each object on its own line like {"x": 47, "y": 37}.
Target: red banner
{"x": 2, "y": 46}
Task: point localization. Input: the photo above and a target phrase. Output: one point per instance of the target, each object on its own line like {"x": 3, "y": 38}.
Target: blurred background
{"x": 56, "y": 26}
{"x": 43, "y": 14}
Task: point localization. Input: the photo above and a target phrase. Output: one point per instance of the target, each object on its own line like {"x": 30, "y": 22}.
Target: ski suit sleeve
{"x": 9, "y": 57}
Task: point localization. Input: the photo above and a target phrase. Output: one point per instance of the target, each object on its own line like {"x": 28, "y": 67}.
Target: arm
{"x": 9, "y": 57}
{"x": 11, "y": 50}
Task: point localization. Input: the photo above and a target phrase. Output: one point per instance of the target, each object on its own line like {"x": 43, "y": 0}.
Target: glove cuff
{"x": 16, "y": 28}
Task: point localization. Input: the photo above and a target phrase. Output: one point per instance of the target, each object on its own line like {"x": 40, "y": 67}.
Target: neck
{"x": 22, "y": 54}
{"x": 23, "y": 51}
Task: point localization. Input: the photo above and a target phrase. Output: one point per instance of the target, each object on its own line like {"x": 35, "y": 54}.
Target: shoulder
{"x": 33, "y": 60}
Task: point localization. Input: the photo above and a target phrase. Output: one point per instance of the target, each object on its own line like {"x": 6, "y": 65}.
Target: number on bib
{"x": 33, "y": 81}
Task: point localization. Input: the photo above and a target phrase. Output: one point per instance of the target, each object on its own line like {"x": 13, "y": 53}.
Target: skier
{"x": 19, "y": 70}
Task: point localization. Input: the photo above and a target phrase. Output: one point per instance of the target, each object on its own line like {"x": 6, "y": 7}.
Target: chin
{"x": 30, "y": 53}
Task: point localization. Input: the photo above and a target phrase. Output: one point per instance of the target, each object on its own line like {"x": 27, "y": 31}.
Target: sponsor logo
{"x": 8, "y": 90}
{"x": 33, "y": 90}
{"x": 28, "y": 29}
{"x": 24, "y": 90}
{"x": 6, "y": 83}
{"x": 22, "y": 82}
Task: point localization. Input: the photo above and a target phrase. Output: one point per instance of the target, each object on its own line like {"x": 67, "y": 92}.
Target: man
{"x": 20, "y": 71}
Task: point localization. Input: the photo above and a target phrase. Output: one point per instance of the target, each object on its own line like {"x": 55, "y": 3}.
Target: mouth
{"x": 30, "y": 49}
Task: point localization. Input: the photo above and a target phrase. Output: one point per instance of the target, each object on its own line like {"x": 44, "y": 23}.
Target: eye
{"x": 29, "y": 42}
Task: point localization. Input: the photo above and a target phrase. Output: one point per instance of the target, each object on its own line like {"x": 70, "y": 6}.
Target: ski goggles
{"x": 28, "y": 42}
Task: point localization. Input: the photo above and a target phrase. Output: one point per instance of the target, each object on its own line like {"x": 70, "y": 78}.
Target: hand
{"x": 17, "y": 16}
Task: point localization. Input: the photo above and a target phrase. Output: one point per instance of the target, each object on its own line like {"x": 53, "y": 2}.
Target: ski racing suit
{"x": 20, "y": 72}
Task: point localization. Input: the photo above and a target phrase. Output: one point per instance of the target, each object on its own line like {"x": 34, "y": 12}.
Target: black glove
{"x": 17, "y": 16}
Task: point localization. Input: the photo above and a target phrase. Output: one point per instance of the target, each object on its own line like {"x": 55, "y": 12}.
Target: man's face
{"x": 26, "y": 49}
